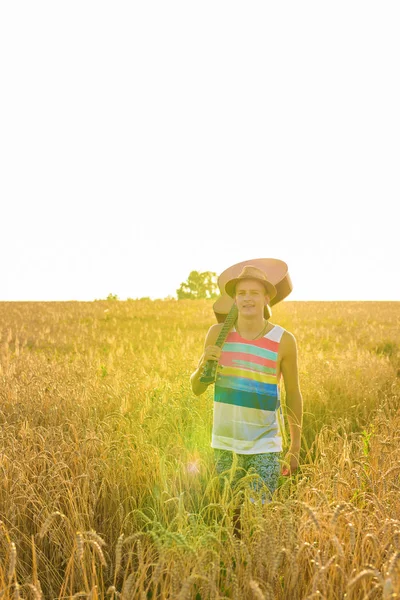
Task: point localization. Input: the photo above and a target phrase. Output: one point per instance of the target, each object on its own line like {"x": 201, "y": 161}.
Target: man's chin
{"x": 248, "y": 311}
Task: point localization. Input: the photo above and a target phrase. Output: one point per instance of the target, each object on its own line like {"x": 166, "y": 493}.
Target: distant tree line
{"x": 197, "y": 286}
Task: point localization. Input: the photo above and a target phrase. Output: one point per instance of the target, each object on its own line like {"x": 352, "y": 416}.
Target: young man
{"x": 247, "y": 413}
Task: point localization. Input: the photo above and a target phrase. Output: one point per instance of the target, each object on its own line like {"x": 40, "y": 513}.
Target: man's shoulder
{"x": 281, "y": 333}
{"x": 216, "y": 328}
{"x": 213, "y": 333}
{"x": 288, "y": 335}
{"x": 288, "y": 342}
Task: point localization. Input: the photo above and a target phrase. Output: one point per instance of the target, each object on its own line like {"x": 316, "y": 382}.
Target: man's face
{"x": 250, "y": 297}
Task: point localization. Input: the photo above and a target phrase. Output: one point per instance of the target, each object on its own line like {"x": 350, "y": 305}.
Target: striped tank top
{"x": 247, "y": 411}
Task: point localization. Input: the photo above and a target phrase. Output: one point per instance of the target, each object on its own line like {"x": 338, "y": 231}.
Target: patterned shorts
{"x": 267, "y": 466}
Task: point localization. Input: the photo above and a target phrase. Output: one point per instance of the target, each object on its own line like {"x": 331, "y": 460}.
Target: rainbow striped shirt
{"x": 247, "y": 411}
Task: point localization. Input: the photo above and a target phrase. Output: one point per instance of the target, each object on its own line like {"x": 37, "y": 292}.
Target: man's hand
{"x": 291, "y": 463}
{"x": 210, "y": 353}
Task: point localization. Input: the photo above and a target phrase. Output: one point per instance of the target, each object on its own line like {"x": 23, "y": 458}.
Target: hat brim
{"x": 230, "y": 286}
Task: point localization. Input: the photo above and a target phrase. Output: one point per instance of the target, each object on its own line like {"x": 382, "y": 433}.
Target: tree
{"x": 198, "y": 285}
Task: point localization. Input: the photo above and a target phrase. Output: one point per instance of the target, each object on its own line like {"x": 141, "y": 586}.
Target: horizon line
{"x": 170, "y": 298}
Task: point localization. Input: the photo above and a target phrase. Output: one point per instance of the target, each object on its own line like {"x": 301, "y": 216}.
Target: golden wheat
{"x": 107, "y": 482}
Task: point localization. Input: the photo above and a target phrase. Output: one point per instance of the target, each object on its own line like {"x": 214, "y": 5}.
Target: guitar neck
{"x": 227, "y": 326}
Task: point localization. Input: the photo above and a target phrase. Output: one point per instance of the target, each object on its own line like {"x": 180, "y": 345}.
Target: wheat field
{"x": 107, "y": 481}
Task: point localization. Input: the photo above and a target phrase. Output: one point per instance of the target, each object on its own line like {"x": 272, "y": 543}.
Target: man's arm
{"x": 294, "y": 400}
{"x": 211, "y": 352}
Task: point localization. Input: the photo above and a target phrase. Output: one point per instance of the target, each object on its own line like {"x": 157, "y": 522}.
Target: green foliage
{"x": 198, "y": 285}
{"x": 112, "y": 297}
{"x": 387, "y": 348}
{"x": 366, "y": 436}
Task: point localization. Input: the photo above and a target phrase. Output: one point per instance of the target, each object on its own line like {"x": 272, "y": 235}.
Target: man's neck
{"x": 251, "y": 325}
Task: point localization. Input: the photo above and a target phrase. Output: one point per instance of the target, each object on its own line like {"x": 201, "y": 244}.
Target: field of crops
{"x": 107, "y": 482}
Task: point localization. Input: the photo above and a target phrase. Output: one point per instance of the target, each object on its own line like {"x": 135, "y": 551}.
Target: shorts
{"x": 266, "y": 465}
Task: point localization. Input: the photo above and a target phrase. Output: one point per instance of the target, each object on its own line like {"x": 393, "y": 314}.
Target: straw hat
{"x": 251, "y": 272}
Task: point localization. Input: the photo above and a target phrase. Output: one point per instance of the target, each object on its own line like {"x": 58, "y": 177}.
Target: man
{"x": 247, "y": 414}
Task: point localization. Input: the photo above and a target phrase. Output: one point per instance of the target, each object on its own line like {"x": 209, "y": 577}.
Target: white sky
{"x": 142, "y": 140}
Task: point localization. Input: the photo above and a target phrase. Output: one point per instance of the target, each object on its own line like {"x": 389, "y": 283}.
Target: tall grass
{"x": 107, "y": 484}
